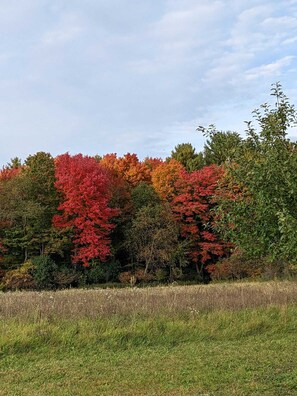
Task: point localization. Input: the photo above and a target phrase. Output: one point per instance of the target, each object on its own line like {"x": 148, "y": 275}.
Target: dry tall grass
{"x": 79, "y": 303}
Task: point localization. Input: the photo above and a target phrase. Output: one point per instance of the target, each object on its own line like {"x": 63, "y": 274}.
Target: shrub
{"x": 141, "y": 276}
{"x": 127, "y": 277}
{"x": 177, "y": 273}
{"x": 19, "y": 279}
{"x": 237, "y": 266}
{"x": 104, "y": 272}
{"x": 291, "y": 270}
{"x": 44, "y": 272}
{"x": 161, "y": 274}
{"x": 66, "y": 277}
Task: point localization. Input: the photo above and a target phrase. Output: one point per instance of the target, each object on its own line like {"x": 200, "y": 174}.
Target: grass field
{"x": 227, "y": 339}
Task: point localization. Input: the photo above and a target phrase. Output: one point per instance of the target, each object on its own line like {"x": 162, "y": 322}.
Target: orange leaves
{"x": 133, "y": 170}
{"x": 165, "y": 178}
{"x": 190, "y": 196}
{"x": 153, "y": 163}
{"x": 109, "y": 161}
{"x": 128, "y": 167}
{"x": 93, "y": 191}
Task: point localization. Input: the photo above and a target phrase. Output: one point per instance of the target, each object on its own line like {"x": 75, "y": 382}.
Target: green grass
{"x": 243, "y": 352}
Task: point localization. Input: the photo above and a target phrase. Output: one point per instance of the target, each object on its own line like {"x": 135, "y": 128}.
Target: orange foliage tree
{"x": 165, "y": 177}
{"x": 128, "y": 167}
{"x": 152, "y": 163}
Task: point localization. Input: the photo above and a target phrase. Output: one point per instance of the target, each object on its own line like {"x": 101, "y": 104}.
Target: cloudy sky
{"x": 98, "y": 76}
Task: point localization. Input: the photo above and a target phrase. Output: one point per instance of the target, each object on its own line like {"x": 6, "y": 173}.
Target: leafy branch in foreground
{"x": 260, "y": 216}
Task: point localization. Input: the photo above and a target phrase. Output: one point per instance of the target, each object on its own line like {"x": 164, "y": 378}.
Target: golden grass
{"x": 170, "y": 300}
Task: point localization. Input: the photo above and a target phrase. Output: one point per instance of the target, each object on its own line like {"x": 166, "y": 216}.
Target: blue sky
{"x": 99, "y": 76}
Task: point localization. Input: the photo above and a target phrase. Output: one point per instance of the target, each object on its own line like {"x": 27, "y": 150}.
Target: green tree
{"x": 44, "y": 271}
{"x": 144, "y": 195}
{"x": 17, "y": 214}
{"x": 14, "y": 163}
{"x": 185, "y": 154}
{"x": 28, "y": 201}
{"x": 39, "y": 173}
{"x": 153, "y": 237}
{"x": 220, "y": 146}
{"x": 258, "y": 204}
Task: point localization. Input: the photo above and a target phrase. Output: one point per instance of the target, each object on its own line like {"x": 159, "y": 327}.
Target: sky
{"x": 118, "y": 76}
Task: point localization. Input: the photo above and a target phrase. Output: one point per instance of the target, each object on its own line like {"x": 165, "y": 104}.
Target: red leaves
{"x": 190, "y": 196}
{"x": 191, "y": 206}
{"x": 90, "y": 189}
{"x": 84, "y": 187}
{"x": 9, "y": 173}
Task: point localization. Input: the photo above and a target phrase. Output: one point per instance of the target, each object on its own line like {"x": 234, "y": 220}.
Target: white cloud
{"x": 186, "y": 23}
{"x": 138, "y": 75}
{"x": 61, "y": 36}
{"x": 182, "y": 37}
{"x": 270, "y": 70}
{"x": 290, "y": 41}
{"x": 69, "y": 28}
{"x": 281, "y": 22}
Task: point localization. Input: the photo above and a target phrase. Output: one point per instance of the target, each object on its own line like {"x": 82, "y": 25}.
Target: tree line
{"x": 228, "y": 211}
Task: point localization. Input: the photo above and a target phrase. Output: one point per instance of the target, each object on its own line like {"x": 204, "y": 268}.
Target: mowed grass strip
{"x": 244, "y": 351}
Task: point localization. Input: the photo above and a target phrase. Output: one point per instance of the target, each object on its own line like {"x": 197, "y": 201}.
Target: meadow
{"x": 219, "y": 339}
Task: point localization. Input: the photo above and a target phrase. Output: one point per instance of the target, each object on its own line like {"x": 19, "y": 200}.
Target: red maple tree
{"x": 84, "y": 186}
{"x": 191, "y": 206}
{"x": 9, "y": 173}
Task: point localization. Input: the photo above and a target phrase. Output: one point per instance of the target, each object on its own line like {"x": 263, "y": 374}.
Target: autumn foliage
{"x": 192, "y": 206}
{"x": 128, "y": 167}
{"x": 164, "y": 178}
{"x": 9, "y": 173}
{"x": 116, "y": 217}
{"x": 84, "y": 207}
{"x": 110, "y": 214}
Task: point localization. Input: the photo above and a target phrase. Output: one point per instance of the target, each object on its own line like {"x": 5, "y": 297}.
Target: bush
{"x": 275, "y": 269}
{"x": 129, "y": 277}
{"x": 44, "y": 272}
{"x": 19, "y": 279}
{"x": 66, "y": 277}
{"x": 237, "y": 266}
{"x": 161, "y": 274}
{"x": 141, "y": 276}
{"x": 103, "y": 272}
{"x": 291, "y": 270}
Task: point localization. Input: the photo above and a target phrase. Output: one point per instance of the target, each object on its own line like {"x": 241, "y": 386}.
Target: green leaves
{"x": 220, "y": 146}
{"x": 262, "y": 217}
